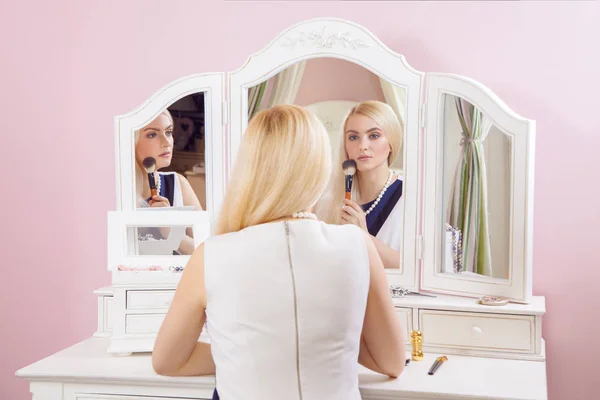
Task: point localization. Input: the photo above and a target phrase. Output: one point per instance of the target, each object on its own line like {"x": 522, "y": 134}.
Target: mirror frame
{"x": 337, "y": 38}
{"x": 341, "y": 39}
{"x": 212, "y": 85}
{"x": 518, "y": 286}
{"x": 119, "y": 226}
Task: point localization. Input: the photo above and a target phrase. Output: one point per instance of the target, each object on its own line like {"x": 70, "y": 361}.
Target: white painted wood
{"x": 537, "y": 305}
{"x": 331, "y": 113}
{"x": 119, "y": 223}
{"x": 90, "y": 396}
{"x": 125, "y": 391}
{"x": 46, "y": 390}
{"x": 522, "y": 131}
{"x": 149, "y": 299}
{"x": 108, "y": 306}
{"x": 134, "y": 330}
{"x": 69, "y": 373}
{"x": 136, "y": 324}
{"x": 337, "y": 38}
{"x": 508, "y": 333}
{"x": 105, "y": 304}
{"x": 212, "y": 85}
{"x": 408, "y": 310}
{"x": 461, "y": 326}
{"x": 406, "y": 319}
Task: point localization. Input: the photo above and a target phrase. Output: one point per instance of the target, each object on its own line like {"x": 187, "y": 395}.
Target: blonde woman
{"x": 156, "y": 140}
{"x": 372, "y": 136}
{"x": 292, "y": 303}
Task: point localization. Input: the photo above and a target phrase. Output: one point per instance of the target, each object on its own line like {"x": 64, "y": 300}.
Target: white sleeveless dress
{"x": 285, "y": 317}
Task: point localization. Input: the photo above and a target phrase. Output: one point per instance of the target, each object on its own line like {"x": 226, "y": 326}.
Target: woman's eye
{"x": 169, "y": 133}
{"x": 375, "y": 136}
{"x": 352, "y": 137}
{"x": 151, "y": 135}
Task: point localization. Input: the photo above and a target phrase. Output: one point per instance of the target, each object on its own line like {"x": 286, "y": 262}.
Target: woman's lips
{"x": 165, "y": 154}
{"x": 363, "y": 158}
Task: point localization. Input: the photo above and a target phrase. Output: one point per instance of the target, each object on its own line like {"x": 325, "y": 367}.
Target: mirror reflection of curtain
{"x": 395, "y": 96}
{"x": 255, "y": 96}
{"x": 468, "y": 207}
{"x": 286, "y": 84}
{"x": 284, "y": 89}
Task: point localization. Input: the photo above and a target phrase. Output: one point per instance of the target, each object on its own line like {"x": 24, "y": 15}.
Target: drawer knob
{"x": 476, "y": 332}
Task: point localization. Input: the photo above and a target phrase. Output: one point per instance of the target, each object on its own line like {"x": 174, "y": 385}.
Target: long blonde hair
{"x": 140, "y": 174}
{"x": 282, "y": 167}
{"x": 329, "y": 206}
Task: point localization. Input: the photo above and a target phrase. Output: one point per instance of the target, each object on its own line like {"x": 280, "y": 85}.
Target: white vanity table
{"x": 494, "y": 352}
{"x": 86, "y": 371}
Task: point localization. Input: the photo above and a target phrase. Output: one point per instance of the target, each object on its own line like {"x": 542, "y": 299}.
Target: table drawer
{"x": 495, "y": 332}
{"x": 84, "y": 396}
{"x": 143, "y": 323}
{"x": 149, "y": 299}
{"x": 405, "y": 315}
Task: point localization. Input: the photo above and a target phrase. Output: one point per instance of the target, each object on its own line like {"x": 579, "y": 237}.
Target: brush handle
{"x": 152, "y": 183}
{"x": 349, "y": 179}
{"x": 435, "y": 367}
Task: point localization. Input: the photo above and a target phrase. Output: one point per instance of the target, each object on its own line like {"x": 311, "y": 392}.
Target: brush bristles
{"x": 349, "y": 167}
{"x": 149, "y": 164}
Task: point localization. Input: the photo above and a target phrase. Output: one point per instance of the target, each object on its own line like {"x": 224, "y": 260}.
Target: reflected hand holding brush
{"x": 156, "y": 200}
{"x": 149, "y": 164}
{"x": 349, "y": 167}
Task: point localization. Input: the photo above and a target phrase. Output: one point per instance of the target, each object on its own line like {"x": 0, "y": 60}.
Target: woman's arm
{"x": 176, "y": 349}
{"x": 188, "y": 194}
{"x": 352, "y": 213}
{"x": 389, "y": 256}
{"x": 382, "y": 344}
{"x": 189, "y": 199}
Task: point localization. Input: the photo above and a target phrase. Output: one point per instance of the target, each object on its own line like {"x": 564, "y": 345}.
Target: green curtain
{"x": 468, "y": 208}
{"x": 255, "y": 96}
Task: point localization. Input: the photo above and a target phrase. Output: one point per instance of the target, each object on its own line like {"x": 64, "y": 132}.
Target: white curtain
{"x": 286, "y": 84}
{"x": 395, "y": 96}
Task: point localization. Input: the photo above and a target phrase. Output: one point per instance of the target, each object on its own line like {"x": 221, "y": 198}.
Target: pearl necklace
{"x": 304, "y": 214}
{"x": 157, "y": 183}
{"x": 378, "y": 199}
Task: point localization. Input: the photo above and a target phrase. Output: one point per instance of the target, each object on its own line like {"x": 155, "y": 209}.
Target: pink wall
{"x": 332, "y": 79}
{"x": 69, "y": 66}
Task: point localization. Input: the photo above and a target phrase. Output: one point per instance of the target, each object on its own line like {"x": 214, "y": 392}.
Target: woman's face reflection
{"x": 156, "y": 140}
{"x": 366, "y": 143}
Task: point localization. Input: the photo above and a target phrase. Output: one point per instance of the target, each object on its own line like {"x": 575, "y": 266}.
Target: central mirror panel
{"x": 373, "y": 136}
{"x": 368, "y": 99}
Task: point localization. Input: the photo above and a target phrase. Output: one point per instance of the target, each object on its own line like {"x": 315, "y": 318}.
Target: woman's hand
{"x": 159, "y": 201}
{"x": 352, "y": 213}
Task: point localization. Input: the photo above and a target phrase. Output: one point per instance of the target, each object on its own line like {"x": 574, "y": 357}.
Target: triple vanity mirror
{"x": 465, "y": 161}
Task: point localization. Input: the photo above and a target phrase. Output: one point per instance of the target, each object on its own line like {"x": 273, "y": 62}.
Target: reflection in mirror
{"x": 373, "y": 135}
{"x": 477, "y": 192}
{"x": 170, "y": 172}
{"x": 158, "y": 241}
{"x": 173, "y": 147}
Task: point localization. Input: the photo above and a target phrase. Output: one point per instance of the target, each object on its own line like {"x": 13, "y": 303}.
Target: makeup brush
{"x": 149, "y": 164}
{"x": 349, "y": 167}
